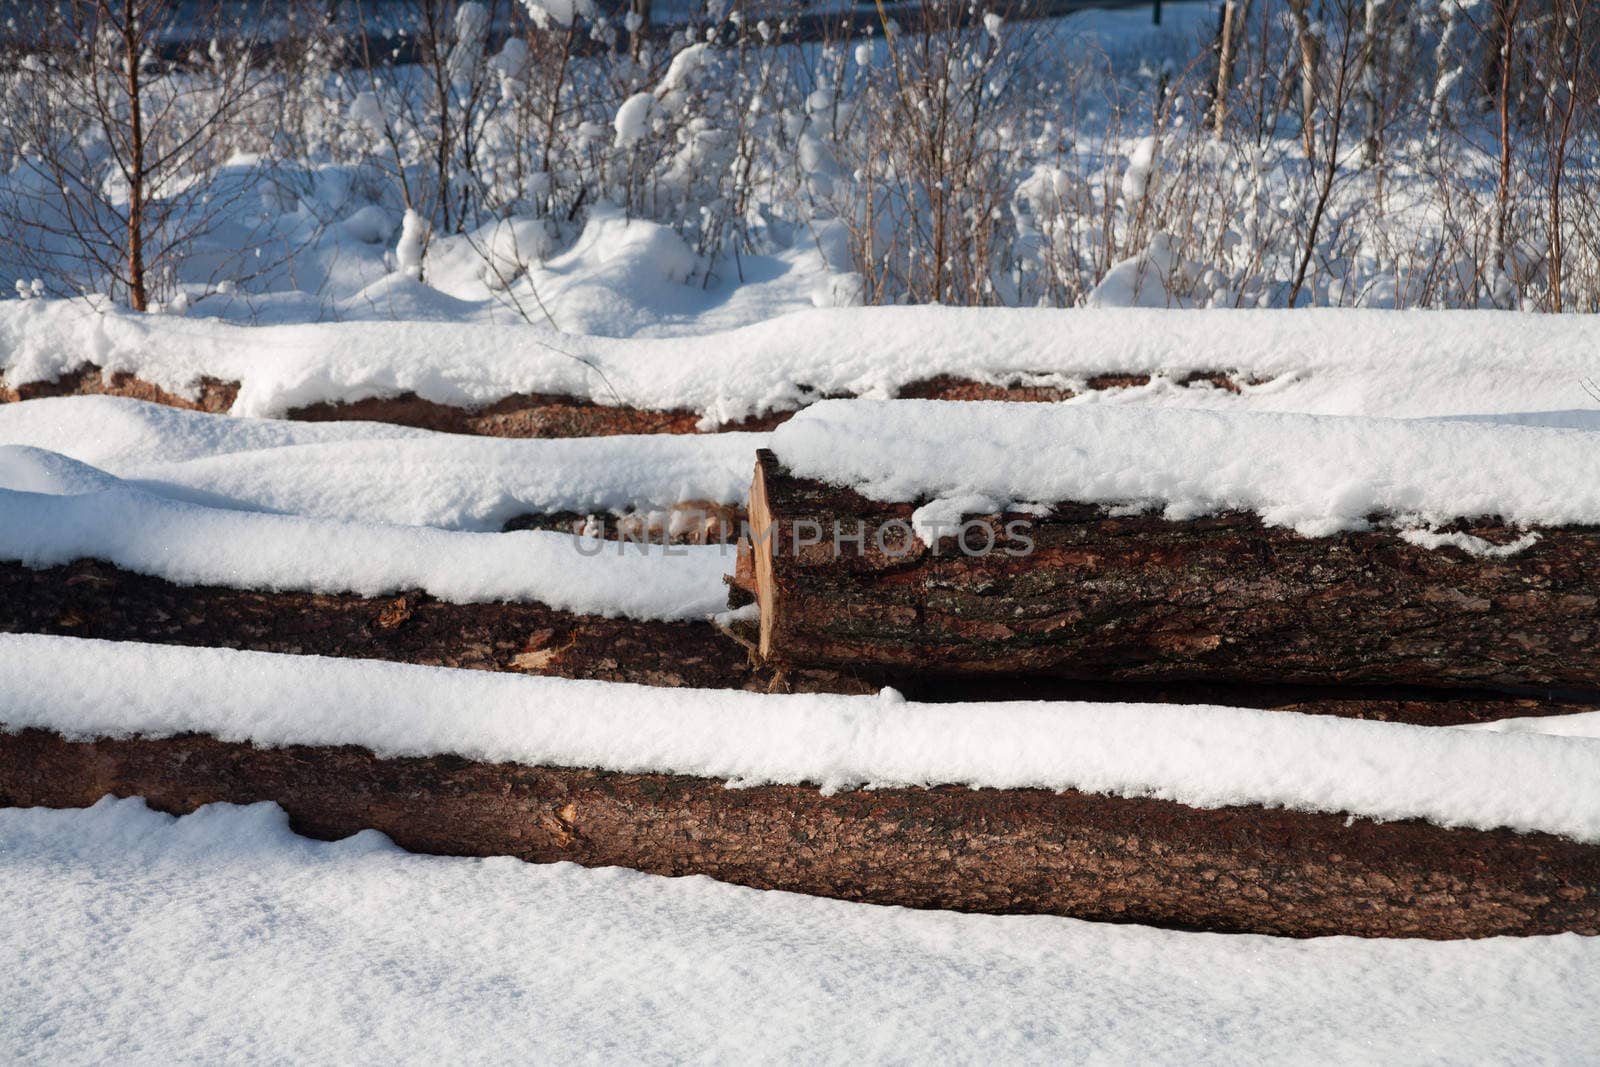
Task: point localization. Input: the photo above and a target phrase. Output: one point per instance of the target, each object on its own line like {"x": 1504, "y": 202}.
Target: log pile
{"x": 1248, "y": 870}
{"x": 1108, "y": 606}
{"x": 1093, "y": 595}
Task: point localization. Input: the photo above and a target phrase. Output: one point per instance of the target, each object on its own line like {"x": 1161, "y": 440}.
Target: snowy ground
{"x": 223, "y": 936}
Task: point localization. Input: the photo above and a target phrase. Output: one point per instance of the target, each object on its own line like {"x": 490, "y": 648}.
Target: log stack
{"x": 1061, "y": 600}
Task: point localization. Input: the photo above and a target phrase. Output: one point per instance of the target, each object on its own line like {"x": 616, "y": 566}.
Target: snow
{"x": 557, "y": 12}
{"x": 633, "y": 119}
{"x": 138, "y": 937}
{"x": 621, "y": 277}
{"x": 1140, "y": 170}
{"x": 1315, "y": 474}
{"x": 1474, "y": 546}
{"x": 688, "y": 64}
{"x": 413, "y": 240}
{"x": 1201, "y": 756}
{"x": 1580, "y": 724}
{"x": 1146, "y": 280}
{"x": 54, "y": 510}
{"x": 942, "y": 517}
{"x": 471, "y": 26}
{"x": 378, "y": 473}
{"x": 1313, "y": 361}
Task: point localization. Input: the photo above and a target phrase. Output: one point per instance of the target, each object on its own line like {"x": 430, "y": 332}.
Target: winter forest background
{"x": 607, "y": 170}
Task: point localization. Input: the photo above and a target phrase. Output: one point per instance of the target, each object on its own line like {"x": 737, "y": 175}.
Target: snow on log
{"x": 1120, "y": 543}
{"x": 1201, "y": 756}
{"x": 55, "y": 510}
{"x": 1235, "y": 869}
{"x": 549, "y": 415}
{"x": 379, "y": 473}
{"x": 530, "y": 381}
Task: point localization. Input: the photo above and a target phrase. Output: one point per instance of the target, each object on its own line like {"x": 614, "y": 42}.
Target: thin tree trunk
{"x": 554, "y": 114}
{"x": 138, "y": 298}
{"x": 1310, "y": 51}
{"x": 640, "y": 9}
{"x": 1234, "y": 13}
{"x": 1371, "y": 82}
{"x": 1571, "y": 53}
{"x": 1506, "y": 19}
{"x": 1445, "y": 73}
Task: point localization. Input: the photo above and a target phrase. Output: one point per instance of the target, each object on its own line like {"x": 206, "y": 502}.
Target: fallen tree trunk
{"x": 551, "y": 415}
{"x": 1240, "y": 869}
{"x": 96, "y": 600}
{"x": 1081, "y": 593}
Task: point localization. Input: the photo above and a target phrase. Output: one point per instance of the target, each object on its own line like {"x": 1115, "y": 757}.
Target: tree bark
{"x": 1140, "y": 597}
{"x": 1310, "y": 54}
{"x": 132, "y": 41}
{"x": 90, "y": 599}
{"x": 1234, "y": 15}
{"x": 1238, "y": 869}
{"x": 95, "y": 600}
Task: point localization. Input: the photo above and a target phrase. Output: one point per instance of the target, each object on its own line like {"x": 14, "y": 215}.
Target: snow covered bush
{"x": 1384, "y": 153}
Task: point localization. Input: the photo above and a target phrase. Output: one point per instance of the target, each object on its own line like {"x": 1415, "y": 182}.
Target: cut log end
{"x": 758, "y": 548}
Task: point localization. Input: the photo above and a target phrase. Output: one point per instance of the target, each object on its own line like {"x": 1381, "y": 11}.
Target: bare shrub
{"x": 119, "y": 153}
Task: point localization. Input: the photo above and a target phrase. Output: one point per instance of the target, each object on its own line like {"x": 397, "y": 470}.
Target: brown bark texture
{"x": 213, "y": 396}
{"x": 1105, "y": 597}
{"x": 91, "y": 599}
{"x": 1240, "y": 869}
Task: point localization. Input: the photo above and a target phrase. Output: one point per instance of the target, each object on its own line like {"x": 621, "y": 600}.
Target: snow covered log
{"x": 1054, "y": 573}
{"x": 1237, "y": 869}
{"x": 209, "y": 394}
{"x": 1325, "y": 361}
{"x": 551, "y": 415}
{"x": 1140, "y": 597}
{"x": 1222, "y": 818}
{"x": 517, "y": 415}
{"x": 92, "y": 599}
